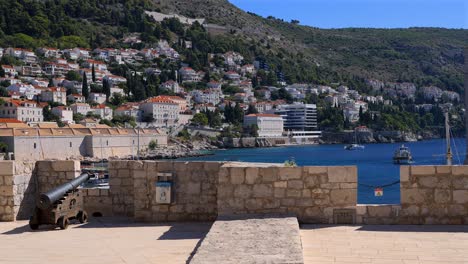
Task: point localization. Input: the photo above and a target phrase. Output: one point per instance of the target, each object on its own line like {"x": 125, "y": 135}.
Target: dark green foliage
{"x": 84, "y": 87}
{"x": 106, "y": 88}
{"x": 73, "y": 76}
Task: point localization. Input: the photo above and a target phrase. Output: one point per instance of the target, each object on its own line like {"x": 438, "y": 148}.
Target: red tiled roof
{"x": 9, "y": 120}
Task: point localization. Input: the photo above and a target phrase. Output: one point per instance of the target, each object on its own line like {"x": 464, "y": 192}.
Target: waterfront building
{"x": 161, "y": 111}
{"x": 269, "y": 125}
{"x": 300, "y": 120}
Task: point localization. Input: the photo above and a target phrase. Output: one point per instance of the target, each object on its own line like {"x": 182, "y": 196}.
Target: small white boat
{"x": 354, "y": 147}
{"x": 402, "y": 155}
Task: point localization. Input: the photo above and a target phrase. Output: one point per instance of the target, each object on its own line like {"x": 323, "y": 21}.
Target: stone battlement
{"x": 202, "y": 191}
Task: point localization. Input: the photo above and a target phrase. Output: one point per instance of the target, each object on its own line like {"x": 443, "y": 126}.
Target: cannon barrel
{"x": 46, "y": 200}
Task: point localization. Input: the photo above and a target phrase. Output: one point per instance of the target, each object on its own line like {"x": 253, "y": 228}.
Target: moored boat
{"x": 402, "y": 155}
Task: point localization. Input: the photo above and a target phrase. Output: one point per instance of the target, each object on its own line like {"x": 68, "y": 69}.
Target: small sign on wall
{"x": 163, "y": 192}
{"x": 378, "y": 192}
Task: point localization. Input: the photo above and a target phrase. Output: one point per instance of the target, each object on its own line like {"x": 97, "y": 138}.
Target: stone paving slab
{"x": 385, "y": 244}
{"x": 113, "y": 241}
{"x": 251, "y": 239}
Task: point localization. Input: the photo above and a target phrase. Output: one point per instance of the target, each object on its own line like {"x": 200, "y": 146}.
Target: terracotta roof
{"x": 10, "y": 120}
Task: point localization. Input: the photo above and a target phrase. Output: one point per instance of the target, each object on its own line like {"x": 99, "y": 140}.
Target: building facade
{"x": 269, "y": 125}
{"x": 298, "y": 117}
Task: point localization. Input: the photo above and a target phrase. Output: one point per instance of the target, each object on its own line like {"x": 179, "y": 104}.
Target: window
{"x": 107, "y": 142}
{"x": 71, "y": 145}
{"x": 35, "y": 145}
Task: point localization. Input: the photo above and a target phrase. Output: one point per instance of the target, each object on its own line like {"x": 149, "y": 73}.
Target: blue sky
{"x": 364, "y": 13}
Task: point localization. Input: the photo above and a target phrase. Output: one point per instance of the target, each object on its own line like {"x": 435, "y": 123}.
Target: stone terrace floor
{"x": 120, "y": 241}
{"x": 385, "y": 244}
{"x": 110, "y": 241}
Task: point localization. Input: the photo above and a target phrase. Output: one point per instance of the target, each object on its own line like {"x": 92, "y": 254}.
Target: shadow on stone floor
{"x": 394, "y": 228}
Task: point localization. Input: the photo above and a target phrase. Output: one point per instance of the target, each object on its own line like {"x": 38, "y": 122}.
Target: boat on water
{"x": 354, "y": 147}
{"x": 402, "y": 155}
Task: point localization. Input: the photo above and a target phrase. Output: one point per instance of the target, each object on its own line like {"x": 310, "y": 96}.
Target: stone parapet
{"x": 434, "y": 195}
{"x": 310, "y": 193}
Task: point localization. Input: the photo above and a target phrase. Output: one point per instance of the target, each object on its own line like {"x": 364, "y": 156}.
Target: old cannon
{"x": 60, "y": 205}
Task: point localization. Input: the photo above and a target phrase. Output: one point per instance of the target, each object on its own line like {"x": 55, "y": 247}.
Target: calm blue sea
{"x": 375, "y": 166}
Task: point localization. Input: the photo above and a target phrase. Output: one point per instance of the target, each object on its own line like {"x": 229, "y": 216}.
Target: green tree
{"x": 200, "y": 119}
{"x": 73, "y": 76}
{"x": 93, "y": 73}
{"x": 84, "y": 87}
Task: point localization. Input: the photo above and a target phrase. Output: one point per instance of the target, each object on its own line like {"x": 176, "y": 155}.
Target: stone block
{"x": 348, "y": 185}
{"x": 168, "y": 166}
{"x": 6, "y": 191}
{"x": 404, "y": 173}
{"x": 270, "y": 203}
{"x": 380, "y": 211}
{"x": 343, "y": 197}
{"x": 443, "y": 170}
{"x": 313, "y": 212}
{"x": 262, "y": 190}
{"x": 225, "y": 190}
{"x": 460, "y": 196}
{"x": 416, "y": 196}
{"x": 7, "y": 180}
{"x": 279, "y": 192}
{"x": 287, "y": 202}
{"x": 293, "y": 193}
{"x": 342, "y": 174}
{"x": 457, "y": 210}
{"x": 243, "y": 191}
{"x": 118, "y": 164}
{"x": 304, "y": 202}
{"x": 1, "y": 181}
{"x": 7, "y": 167}
{"x": 124, "y": 173}
{"x": 253, "y": 204}
{"x": 63, "y": 165}
{"x": 286, "y": 173}
{"x": 252, "y": 176}
{"x": 237, "y": 175}
{"x": 311, "y": 181}
{"x": 443, "y": 196}
{"x": 428, "y": 181}
{"x": 361, "y": 210}
{"x": 460, "y": 182}
{"x": 70, "y": 175}
{"x": 316, "y": 170}
{"x": 139, "y": 174}
{"x": 223, "y": 175}
{"x": 269, "y": 174}
{"x": 423, "y": 170}
{"x": 306, "y": 193}
{"x": 135, "y": 165}
{"x": 295, "y": 184}
{"x": 93, "y": 192}
{"x": 212, "y": 167}
{"x": 280, "y": 184}
{"x": 460, "y": 170}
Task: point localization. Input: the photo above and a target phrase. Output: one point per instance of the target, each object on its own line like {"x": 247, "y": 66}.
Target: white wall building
{"x": 162, "y": 111}
{"x": 26, "y": 111}
{"x": 269, "y": 125}
{"x": 64, "y": 113}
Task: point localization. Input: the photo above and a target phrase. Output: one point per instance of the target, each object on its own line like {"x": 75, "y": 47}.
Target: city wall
{"x": 202, "y": 191}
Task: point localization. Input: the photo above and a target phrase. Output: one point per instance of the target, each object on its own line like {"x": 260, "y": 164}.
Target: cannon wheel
{"x": 63, "y": 222}
{"x": 82, "y": 217}
{"x": 33, "y": 225}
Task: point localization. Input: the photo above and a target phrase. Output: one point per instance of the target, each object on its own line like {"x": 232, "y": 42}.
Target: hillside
{"x": 420, "y": 55}
{"x": 425, "y": 56}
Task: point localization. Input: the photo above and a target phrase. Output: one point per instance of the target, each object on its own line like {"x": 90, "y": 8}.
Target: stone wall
{"x": 133, "y": 190}
{"x": 434, "y": 195}
{"x": 7, "y": 170}
{"x": 17, "y": 190}
{"x": 311, "y": 193}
